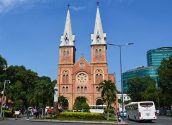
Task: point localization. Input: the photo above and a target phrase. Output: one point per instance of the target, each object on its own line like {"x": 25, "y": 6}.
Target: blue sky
{"x": 30, "y": 31}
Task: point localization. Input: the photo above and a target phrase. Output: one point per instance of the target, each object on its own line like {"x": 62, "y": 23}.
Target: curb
{"x": 88, "y": 122}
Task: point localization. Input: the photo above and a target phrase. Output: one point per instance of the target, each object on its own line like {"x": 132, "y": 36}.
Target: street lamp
{"x": 2, "y": 99}
{"x": 120, "y": 47}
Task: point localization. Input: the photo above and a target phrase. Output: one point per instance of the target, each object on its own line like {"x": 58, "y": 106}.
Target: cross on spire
{"x": 97, "y": 3}
{"x": 68, "y": 5}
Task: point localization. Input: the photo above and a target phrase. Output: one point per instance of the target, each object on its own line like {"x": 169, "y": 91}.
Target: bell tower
{"x": 98, "y": 45}
{"x": 66, "y": 61}
{"x": 67, "y": 45}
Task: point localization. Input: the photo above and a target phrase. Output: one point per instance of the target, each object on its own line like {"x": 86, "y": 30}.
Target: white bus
{"x": 97, "y": 108}
{"x": 144, "y": 110}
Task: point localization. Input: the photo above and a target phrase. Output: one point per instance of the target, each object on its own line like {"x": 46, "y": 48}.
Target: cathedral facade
{"x": 81, "y": 78}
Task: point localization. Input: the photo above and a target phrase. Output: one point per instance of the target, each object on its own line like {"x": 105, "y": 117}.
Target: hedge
{"x": 82, "y": 115}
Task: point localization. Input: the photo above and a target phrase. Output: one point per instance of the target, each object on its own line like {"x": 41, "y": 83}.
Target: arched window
{"x": 85, "y": 89}
{"x": 82, "y": 89}
{"x": 78, "y": 89}
{"x": 99, "y": 76}
{"x": 67, "y": 52}
{"x": 66, "y": 88}
{"x": 97, "y": 90}
{"x": 64, "y": 53}
{"x": 63, "y": 89}
{"x": 96, "y": 51}
{"x": 100, "y": 54}
{"x": 65, "y": 77}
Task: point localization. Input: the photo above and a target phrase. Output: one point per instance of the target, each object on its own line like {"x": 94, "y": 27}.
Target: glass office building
{"x": 155, "y": 56}
{"x": 139, "y": 72}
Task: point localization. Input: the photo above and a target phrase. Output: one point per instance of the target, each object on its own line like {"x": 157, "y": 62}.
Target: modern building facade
{"x": 155, "y": 56}
{"x": 139, "y": 72}
{"x": 154, "y": 59}
{"x": 81, "y": 78}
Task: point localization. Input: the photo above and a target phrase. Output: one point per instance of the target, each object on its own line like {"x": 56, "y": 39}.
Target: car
{"x": 123, "y": 114}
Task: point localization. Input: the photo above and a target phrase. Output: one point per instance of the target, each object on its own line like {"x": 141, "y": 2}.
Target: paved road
{"x": 25, "y": 122}
{"x": 162, "y": 120}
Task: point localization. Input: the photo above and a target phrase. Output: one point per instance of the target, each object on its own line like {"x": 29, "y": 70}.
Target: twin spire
{"x": 68, "y": 39}
{"x": 98, "y": 37}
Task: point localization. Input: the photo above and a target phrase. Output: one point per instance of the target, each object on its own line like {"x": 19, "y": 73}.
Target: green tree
{"x": 108, "y": 93}
{"x": 3, "y": 64}
{"x": 81, "y": 104}
{"x": 165, "y": 81}
{"x": 28, "y": 80}
{"x": 26, "y": 87}
{"x": 151, "y": 93}
{"x": 63, "y": 102}
{"x": 142, "y": 89}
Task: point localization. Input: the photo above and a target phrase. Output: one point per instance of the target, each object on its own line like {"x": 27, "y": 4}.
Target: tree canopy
{"x": 63, "y": 102}
{"x": 165, "y": 81}
{"x": 81, "y": 104}
{"x": 143, "y": 89}
{"x": 26, "y": 87}
{"x": 3, "y": 63}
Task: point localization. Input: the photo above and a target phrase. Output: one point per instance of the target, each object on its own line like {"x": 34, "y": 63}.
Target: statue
{"x": 56, "y": 99}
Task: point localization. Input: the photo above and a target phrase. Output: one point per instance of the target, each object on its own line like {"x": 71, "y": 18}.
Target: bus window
{"x": 146, "y": 104}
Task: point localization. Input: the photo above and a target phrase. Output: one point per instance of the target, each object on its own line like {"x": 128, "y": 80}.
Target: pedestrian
{"x": 28, "y": 114}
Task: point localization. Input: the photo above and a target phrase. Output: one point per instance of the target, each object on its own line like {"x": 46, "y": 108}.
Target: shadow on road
{"x": 147, "y": 121}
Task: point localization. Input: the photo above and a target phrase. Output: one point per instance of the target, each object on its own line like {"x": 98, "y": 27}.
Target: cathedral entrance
{"x": 99, "y": 102}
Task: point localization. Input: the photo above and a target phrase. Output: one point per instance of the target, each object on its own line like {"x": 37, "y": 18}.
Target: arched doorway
{"x": 99, "y": 102}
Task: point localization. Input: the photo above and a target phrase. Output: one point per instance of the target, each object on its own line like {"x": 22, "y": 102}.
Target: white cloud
{"x": 109, "y": 2}
{"x": 7, "y": 5}
{"x": 78, "y": 8}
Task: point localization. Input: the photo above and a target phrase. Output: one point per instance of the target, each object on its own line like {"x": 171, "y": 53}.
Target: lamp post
{"x": 2, "y": 99}
{"x": 120, "y": 48}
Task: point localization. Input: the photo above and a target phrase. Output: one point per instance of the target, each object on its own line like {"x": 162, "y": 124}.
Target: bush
{"x": 109, "y": 110}
{"x": 82, "y": 115}
{"x": 85, "y": 107}
{"x": 8, "y": 113}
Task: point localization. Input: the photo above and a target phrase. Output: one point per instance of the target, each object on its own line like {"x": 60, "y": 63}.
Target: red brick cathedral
{"x": 81, "y": 78}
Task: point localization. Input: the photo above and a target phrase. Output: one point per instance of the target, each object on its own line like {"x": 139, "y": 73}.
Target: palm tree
{"x": 108, "y": 92}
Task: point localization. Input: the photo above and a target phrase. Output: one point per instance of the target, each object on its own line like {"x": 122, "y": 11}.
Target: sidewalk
{"x": 88, "y": 122}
